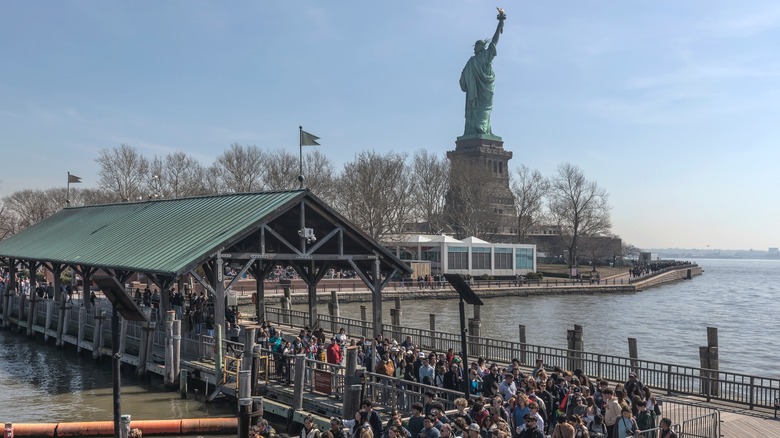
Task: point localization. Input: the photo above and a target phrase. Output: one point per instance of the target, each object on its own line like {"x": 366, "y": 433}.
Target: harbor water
{"x": 739, "y": 297}
{"x": 42, "y": 383}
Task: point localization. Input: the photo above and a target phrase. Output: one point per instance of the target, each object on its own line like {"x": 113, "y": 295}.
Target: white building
{"x": 470, "y": 256}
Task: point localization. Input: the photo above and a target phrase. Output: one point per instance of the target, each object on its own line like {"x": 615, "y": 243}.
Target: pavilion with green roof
{"x": 169, "y": 239}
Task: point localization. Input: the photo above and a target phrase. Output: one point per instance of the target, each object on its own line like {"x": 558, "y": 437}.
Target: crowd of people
{"x": 505, "y": 401}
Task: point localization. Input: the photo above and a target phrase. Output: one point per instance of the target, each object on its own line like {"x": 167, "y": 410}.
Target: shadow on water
{"x": 43, "y": 383}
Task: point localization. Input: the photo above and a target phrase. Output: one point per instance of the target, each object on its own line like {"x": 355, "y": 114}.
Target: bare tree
{"x": 529, "y": 188}
{"x": 430, "y": 174}
{"x": 578, "y": 206}
{"x": 182, "y": 175}
{"x": 320, "y": 175}
{"x": 471, "y": 201}
{"x": 92, "y": 197}
{"x": 600, "y": 249}
{"x": 374, "y": 192}
{"x": 9, "y": 222}
{"x": 123, "y": 170}
{"x": 241, "y": 169}
{"x": 32, "y": 206}
{"x": 281, "y": 170}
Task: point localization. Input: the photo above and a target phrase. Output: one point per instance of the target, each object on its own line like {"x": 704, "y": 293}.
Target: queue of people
{"x": 505, "y": 402}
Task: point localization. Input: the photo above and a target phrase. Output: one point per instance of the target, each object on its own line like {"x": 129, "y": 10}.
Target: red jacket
{"x": 334, "y": 354}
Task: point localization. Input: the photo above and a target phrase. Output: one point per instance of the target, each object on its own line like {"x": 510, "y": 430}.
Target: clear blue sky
{"x": 673, "y": 107}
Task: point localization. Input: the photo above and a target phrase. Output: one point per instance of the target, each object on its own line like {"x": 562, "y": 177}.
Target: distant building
{"x": 469, "y": 256}
{"x": 647, "y": 257}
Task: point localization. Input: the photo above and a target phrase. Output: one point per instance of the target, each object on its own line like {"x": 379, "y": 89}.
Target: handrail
{"x": 749, "y": 390}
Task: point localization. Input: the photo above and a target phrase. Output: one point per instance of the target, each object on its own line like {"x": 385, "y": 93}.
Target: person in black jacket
{"x": 373, "y": 418}
{"x": 531, "y": 431}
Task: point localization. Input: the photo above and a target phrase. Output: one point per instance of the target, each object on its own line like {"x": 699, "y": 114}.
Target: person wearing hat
{"x": 474, "y": 431}
{"x": 507, "y": 388}
{"x": 426, "y": 372}
{"x": 531, "y": 429}
{"x": 452, "y": 379}
{"x": 633, "y": 386}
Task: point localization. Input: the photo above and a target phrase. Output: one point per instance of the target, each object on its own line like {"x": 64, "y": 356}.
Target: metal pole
{"x": 117, "y": 364}
{"x": 463, "y": 352}
{"x": 300, "y": 157}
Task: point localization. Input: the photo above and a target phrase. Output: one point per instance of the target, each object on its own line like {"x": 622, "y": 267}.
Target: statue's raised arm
{"x": 477, "y": 81}
{"x": 500, "y": 27}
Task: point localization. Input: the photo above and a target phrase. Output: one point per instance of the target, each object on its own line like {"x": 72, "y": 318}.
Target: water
{"x": 739, "y": 297}
{"x": 41, "y": 383}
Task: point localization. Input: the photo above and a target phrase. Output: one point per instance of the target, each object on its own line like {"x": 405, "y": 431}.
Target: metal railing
{"x": 748, "y": 390}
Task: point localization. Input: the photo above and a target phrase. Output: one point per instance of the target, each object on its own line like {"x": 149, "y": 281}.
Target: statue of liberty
{"x": 477, "y": 81}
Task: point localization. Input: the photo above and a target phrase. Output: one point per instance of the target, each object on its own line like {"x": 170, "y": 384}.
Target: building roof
{"x": 473, "y": 239}
{"x": 172, "y": 236}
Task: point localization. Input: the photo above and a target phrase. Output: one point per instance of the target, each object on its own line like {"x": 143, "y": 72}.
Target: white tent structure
{"x": 470, "y": 256}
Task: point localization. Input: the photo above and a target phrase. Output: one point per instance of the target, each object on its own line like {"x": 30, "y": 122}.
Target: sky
{"x": 672, "y": 107}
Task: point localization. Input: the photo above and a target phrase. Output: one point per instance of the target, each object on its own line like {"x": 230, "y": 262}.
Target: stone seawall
{"x": 669, "y": 277}
{"x": 524, "y": 291}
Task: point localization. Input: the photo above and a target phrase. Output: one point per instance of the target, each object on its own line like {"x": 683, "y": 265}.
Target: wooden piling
{"x": 714, "y": 364}
{"x": 146, "y": 332}
{"x": 633, "y": 354}
{"x": 31, "y": 312}
{"x": 61, "y": 318}
{"x": 82, "y": 324}
{"x": 97, "y": 334}
{"x": 122, "y": 335}
{"x": 183, "y": 383}
{"x": 351, "y": 401}
{"x": 169, "y": 377}
{"x": 47, "y": 323}
{"x": 364, "y": 319}
{"x": 300, "y": 362}
{"x": 523, "y": 344}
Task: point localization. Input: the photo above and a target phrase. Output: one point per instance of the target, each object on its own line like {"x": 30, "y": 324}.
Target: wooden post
{"x": 61, "y": 318}
{"x": 432, "y": 325}
{"x": 82, "y": 323}
{"x": 523, "y": 344}
{"x": 169, "y": 378}
{"x": 712, "y": 346}
{"x": 10, "y": 287}
{"x": 333, "y": 310}
{"x": 376, "y": 299}
{"x": 142, "y": 349}
{"x": 351, "y": 401}
{"x": 20, "y": 319}
{"x": 569, "y": 349}
{"x": 183, "y": 383}
{"x": 398, "y": 313}
{"x": 259, "y": 293}
{"x": 249, "y": 348}
{"x": 351, "y": 362}
{"x": 300, "y": 362}
{"x": 633, "y": 354}
{"x": 286, "y": 304}
{"x": 704, "y": 359}
{"x": 364, "y": 318}
{"x": 31, "y": 311}
{"x": 97, "y": 334}
{"x": 474, "y": 333}
{"x": 66, "y": 318}
{"x": 124, "y": 426}
{"x": 578, "y": 347}
{"x": 150, "y": 344}
{"x": 49, "y": 312}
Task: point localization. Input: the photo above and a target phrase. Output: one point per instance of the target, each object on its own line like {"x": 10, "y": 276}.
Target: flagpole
{"x": 300, "y": 157}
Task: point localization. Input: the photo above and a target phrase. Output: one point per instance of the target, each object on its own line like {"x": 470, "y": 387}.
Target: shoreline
{"x": 544, "y": 288}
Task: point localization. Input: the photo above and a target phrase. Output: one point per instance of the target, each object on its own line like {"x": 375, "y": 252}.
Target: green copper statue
{"x": 477, "y": 81}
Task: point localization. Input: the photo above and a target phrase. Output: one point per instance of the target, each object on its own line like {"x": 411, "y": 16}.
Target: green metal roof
{"x": 160, "y": 236}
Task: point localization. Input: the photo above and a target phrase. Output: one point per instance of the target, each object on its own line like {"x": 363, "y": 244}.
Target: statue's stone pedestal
{"x": 487, "y": 152}
{"x": 481, "y": 146}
